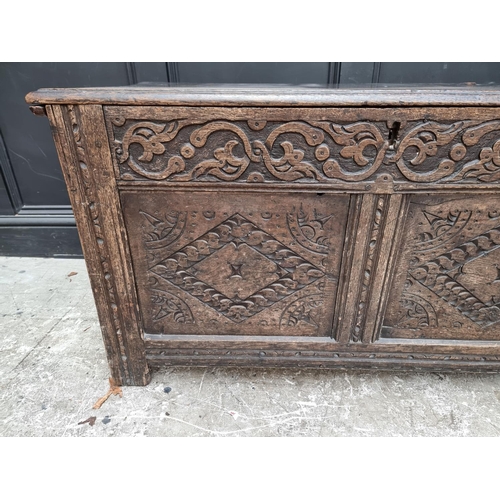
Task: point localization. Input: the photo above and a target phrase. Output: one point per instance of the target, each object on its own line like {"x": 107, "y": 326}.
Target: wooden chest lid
{"x": 146, "y": 94}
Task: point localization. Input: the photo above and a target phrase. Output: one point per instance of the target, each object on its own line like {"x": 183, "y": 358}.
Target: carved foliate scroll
{"x": 311, "y": 151}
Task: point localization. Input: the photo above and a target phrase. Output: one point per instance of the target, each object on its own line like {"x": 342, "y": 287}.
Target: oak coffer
{"x": 287, "y": 226}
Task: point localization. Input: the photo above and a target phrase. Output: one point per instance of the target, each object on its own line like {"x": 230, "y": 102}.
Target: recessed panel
{"x": 239, "y": 264}
{"x": 448, "y": 275}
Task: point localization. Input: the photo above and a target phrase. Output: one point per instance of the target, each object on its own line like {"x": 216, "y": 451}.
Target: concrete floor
{"x": 53, "y": 369}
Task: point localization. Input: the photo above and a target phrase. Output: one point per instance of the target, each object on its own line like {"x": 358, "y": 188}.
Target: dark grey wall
{"x": 35, "y": 216}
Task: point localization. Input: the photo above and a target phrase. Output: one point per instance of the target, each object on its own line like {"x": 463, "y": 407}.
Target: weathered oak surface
{"x": 255, "y": 95}
{"x": 287, "y": 226}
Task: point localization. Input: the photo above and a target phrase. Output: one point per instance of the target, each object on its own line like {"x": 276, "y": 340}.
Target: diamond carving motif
{"x": 464, "y": 276}
{"x": 237, "y": 269}
{"x": 447, "y": 282}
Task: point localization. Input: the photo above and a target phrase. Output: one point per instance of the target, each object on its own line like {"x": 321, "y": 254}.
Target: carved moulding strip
{"x": 375, "y": 227}
{"x": 95, "y": 209}
{"x": 158, "y": 356}
{"x": 371, "y": 257}
{"x": 322, "y": 352}
{"x": 94, "y": 215}
{"x": 402, "y": 356}
{"x": 455, "y": 152}
{"x": 345, "y": 306}
{"x": 390, "y": 247}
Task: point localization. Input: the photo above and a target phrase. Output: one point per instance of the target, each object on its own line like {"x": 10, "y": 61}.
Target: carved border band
{"x": 225, "y": 355}
{"x": 376, "y": 223}
{"x": 79, "y": 134}
{"x": 95, "y": 217}
{"x": 421, "y": 151}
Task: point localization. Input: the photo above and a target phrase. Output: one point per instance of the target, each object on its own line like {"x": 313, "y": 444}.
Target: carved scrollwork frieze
{"x": 463, "y": 151}
{"x": 184, "y": 150}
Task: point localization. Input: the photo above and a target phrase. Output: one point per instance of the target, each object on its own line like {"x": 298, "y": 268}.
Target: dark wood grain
{"x": 287, "y": 226}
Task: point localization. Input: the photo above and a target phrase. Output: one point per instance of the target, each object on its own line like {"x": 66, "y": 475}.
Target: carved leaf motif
{"x": 417, "y": 313}
{"x": 423, "y": 141}
{"x": 474, "y": 134}
{"x": 428, "y": 151}
{"x": 227, "y": 166}
{"x": 284, "y": 169}
{"x": 486, "y": 168}
{"x": 303, "y": 310}
{"x": 357, "y": 138}
{"x": 150, "y": 136}
{"x": 312, "y": 135}
{"x": 426, "y": 138}
{"x": 308, "y": 230}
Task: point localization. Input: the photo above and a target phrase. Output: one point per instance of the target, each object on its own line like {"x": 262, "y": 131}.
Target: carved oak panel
{"x": 243, "y": 264}
{"x": 447, "y": 282}
{"x": 327, "y": 146}
{"x": 294, "y": 228}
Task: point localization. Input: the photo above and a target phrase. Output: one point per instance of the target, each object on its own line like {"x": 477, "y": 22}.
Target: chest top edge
{"x": 284, "y": 96}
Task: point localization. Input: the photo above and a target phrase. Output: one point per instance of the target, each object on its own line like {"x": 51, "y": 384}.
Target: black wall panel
{"x": 292, "y": 73}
